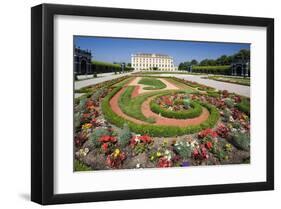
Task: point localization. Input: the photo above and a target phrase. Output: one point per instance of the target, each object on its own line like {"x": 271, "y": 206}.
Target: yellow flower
{"x": 86, "y": 126}
{"x": 158, "y": 154}
{"x": 228, "y": 147}
{"x": 116, "y": 152}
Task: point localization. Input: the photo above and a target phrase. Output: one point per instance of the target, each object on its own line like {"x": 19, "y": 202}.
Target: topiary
{"x": 97, "y": 134}
{"x": 186, "y": 103}
{"x": 125, "y": 136}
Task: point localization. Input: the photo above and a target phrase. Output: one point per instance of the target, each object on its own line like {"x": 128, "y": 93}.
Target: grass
{"x": 153, "y": 84}
{"x": 229, "y": 79}
{"x": 79, "y": 166}
{"x": 157, "y": 130}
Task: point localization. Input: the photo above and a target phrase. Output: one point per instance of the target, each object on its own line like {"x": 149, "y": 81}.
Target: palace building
{"x": 146, "y": 61}
{"x": 82, "y": 61}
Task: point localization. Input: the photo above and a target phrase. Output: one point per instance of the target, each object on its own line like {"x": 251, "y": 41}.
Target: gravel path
{"x": 236, "y": 88}
{"x": 101, "y": 78}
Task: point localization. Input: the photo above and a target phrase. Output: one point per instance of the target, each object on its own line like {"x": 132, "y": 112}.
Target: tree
{"x": 204, "y": 62}
{"x": 222, "y": 60}
{"x": 243, "y": 54}
{"x": 184, "y": 65}
{"x": 194, "y": 62}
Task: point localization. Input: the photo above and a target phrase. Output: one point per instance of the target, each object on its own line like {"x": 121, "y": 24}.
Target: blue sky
{"x": 120, "y": 49}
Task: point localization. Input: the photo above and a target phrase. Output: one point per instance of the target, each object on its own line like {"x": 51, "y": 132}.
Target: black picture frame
{"x": 42, "y": 103}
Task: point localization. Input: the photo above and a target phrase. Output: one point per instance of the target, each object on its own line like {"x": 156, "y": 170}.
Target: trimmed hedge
{"x": 195, "y": 111}
{"x": 220, "y": 69}
{"x": 105, "y": 67}
{"x": 156, "y": 130}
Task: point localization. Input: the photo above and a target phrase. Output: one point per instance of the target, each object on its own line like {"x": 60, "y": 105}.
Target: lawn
{"x": 152, "y": 83}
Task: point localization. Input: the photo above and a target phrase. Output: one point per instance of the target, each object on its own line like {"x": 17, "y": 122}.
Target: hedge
{"x": 193, "y": 112}
{"x": 105, "y": 67}
{"x": 156, "y": 130}
{"x": 220, "y": 69}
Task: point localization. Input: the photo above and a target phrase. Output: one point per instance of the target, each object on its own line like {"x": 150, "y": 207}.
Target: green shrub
{"x": 77, "y": 119}
{"x": 229, "y": 102}
{"x": 186, "y": 103}
{"x": 184, "y": 149}
{"x": 125, "y": 136}
{"x": 244, "y": 106}
{"x": 241, "y": 140}
{"x": 79, "y": 166}
{"x": 97, "y": 134}
{"x": 193, "y": 112}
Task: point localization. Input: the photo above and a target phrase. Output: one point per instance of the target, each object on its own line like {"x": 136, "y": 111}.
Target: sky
{"x": 111, "y": 50}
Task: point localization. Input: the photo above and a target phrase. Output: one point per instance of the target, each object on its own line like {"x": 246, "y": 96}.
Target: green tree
{"x": 194, "y": 62}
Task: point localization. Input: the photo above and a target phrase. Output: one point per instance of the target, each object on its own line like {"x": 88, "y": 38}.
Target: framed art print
{"x": 131, "y": 104}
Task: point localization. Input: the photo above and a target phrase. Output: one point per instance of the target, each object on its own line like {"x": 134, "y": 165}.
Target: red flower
{"x": 142, "y": 139}
{"x": 107, "y": 138}
{"x": 145, "y": 139}
{"x": 209, "y": 145}
{"x": 204, "y": 152}
{"x": 115, "y": 162}
{"x": 207, "y": 132}
{"x": 104, "y": 147}
{"x": 195, "y": 153}
{"x": 222, "y": 131}
{"x": 164, "y": 163}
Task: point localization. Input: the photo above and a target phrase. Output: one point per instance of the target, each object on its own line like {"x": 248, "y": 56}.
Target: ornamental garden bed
{"x": 119, "y": 126}
{"x": 230, "y": 79}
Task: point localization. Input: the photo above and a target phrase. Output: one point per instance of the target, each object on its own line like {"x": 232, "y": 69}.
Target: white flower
{"x": 86, "y": 150}
{"x": 138, "y": 165}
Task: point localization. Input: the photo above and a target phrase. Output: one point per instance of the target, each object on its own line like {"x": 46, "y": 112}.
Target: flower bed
{"x": 175, "y": 106}
{"x": 105, "y": 140}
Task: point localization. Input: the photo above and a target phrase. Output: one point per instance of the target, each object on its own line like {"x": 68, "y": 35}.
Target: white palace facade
{"x": 146, "y": 61}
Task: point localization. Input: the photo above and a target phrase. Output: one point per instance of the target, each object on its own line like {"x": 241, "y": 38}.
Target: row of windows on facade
{"x": 155, "y": 61}
{"x": 150, "y": 65}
